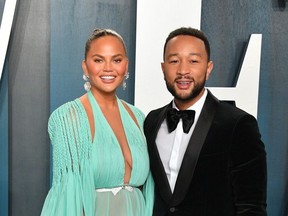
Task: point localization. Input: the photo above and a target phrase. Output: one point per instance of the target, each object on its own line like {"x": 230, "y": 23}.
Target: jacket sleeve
{"x": 248, "y": 168}
{"x": 68, "y": 132}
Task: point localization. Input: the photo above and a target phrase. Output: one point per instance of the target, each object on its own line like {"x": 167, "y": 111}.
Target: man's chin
{"x": 184, "y": 98}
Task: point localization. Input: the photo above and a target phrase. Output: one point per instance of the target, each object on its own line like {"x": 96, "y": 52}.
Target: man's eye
{"x": 173, "y": 61}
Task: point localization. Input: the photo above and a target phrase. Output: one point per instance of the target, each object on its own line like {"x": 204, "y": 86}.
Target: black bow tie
{"x": 173, "y": 117}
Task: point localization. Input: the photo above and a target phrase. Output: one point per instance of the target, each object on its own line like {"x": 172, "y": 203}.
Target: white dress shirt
{"x": 172, "y": 146}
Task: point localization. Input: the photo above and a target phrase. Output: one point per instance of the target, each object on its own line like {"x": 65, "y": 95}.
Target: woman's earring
{"x": 87, "y": 84}
{"x": 124, "y": 84}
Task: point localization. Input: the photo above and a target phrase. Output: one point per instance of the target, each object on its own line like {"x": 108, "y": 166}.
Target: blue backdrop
{"x": 67, "y": 23}
{"x": 228, "y": 26}
{"x": 3, "y": 137}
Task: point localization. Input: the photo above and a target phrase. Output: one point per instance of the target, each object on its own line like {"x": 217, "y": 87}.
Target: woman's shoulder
{"x": 65, "y": 113}
{"x": 134, "y": 109}
{"x": 67, "y": 108}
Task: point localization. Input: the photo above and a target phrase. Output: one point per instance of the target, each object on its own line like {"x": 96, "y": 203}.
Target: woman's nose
{"x": 107, "y": 66}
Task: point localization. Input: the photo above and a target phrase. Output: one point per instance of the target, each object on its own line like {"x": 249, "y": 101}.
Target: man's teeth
{"x": 184, "y": 83}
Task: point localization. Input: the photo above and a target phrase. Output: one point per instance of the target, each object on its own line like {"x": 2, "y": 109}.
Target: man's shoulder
{"x": 231, "y": 106}
{"x": 231, "y": 113}
{"x": 227, "y": 107}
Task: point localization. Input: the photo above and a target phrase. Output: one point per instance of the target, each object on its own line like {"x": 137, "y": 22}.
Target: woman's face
{"x": 106, "y": 64}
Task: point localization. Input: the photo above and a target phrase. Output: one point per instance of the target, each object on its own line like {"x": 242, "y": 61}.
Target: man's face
{"x": 186, "y": 68}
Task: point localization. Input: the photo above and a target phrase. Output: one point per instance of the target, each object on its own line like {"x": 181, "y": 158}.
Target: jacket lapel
{"x": 193, "y": 149}
{"x": 157, "y": 167}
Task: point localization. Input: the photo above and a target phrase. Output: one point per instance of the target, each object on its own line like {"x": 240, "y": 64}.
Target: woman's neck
{"x": 108, "y": 100}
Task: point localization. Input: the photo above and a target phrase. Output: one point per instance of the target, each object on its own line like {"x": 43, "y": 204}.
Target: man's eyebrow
{"x": 177, "y": 54}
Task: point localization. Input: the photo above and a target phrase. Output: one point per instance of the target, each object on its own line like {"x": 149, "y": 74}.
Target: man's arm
{"x": 248, "y": 168}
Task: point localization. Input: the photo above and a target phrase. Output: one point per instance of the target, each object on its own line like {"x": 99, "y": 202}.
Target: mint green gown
{"x": 82, "y": 167}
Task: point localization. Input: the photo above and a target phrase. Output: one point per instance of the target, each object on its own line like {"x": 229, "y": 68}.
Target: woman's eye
{"x": 117, "y": 60}
{"x": 98, "y": 60}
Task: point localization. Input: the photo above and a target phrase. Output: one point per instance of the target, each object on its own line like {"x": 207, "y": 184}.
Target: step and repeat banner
{"x": 42, "y": 45}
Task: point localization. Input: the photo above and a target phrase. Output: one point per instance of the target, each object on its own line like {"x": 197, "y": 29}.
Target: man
{"x": 217, "y": 166}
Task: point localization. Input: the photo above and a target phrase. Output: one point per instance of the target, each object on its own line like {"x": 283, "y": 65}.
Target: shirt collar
{"x": 198, "y": 105}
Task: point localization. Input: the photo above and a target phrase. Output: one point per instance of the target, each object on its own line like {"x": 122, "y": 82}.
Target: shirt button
{"x": 172, "y": 209}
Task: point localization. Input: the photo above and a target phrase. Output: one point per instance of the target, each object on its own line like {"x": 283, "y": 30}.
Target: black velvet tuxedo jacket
{"x": 223, "y": 172}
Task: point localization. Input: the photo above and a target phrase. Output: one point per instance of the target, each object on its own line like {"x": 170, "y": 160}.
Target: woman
{"x": 100, "y": 159}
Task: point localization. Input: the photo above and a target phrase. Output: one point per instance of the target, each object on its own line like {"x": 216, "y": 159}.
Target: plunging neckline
{"x": 97, "y": 110}
{"x": 97, "y": 113}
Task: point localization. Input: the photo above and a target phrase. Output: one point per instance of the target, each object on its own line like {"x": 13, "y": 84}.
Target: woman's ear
{"x": 127, "y": 66}
{"x": 84, "y": 68}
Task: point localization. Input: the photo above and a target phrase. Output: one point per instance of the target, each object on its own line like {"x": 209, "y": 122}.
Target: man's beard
{"x": 198, "y": 87}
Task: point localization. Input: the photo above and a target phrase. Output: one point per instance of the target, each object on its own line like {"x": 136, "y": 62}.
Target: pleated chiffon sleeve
{"x": 68, "y": 129}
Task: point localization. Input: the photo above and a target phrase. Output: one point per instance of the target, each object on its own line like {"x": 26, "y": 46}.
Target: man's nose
{"x": 183, "y": 68}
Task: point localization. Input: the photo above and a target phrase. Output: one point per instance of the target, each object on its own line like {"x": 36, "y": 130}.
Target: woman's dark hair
{"x": 98, "y": 33}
